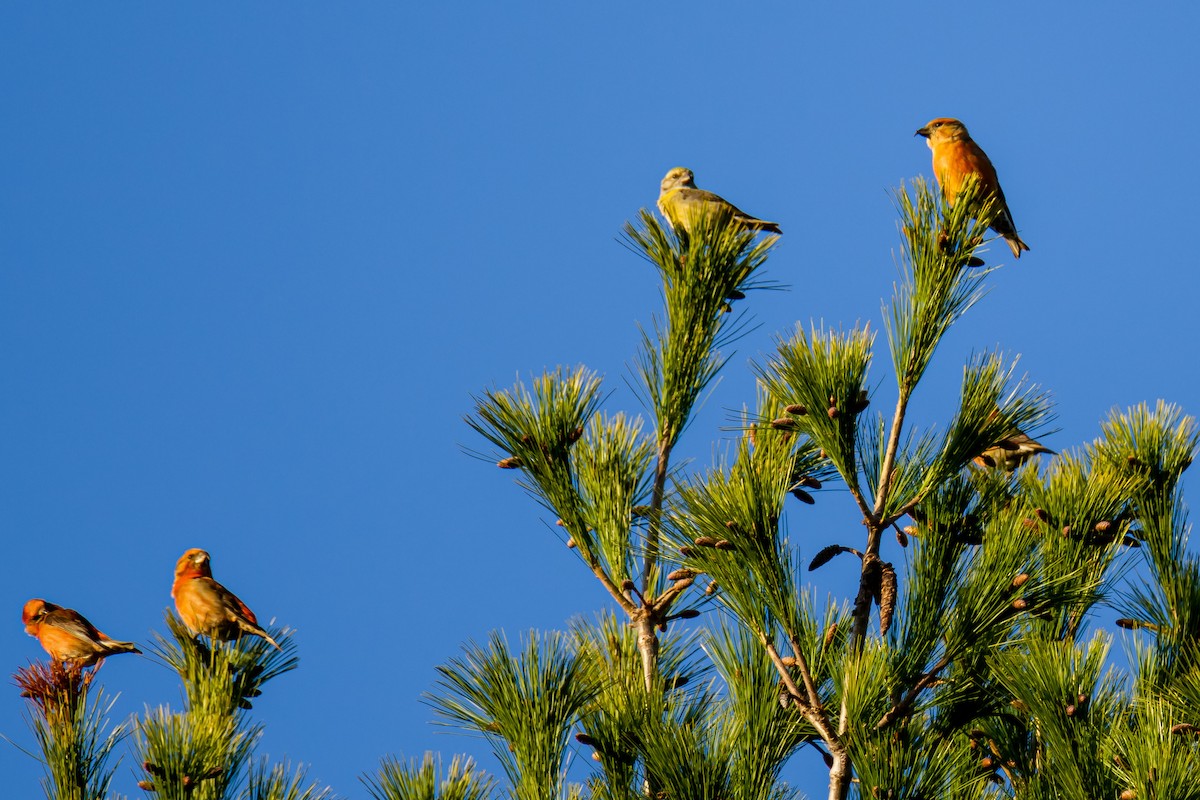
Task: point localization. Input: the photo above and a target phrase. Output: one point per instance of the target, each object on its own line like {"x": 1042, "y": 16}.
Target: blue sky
{"x": 255, "y": 259}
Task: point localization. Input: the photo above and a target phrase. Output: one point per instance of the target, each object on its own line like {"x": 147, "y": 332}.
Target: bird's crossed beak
{"x": 922, "y": 132}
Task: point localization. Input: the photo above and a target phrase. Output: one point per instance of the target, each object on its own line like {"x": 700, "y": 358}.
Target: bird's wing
{"x": 73, "y": 623}
{"x": 689, "y": 195}
{"x": 231, "y": 601}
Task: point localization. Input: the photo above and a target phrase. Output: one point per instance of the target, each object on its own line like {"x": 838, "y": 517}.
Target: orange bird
{"x": 955, "y": 156}
{"x": 206, "y": 606}
{"x": 67, "y": 636}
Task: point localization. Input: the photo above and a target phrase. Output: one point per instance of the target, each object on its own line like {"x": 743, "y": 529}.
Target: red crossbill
{"x": 67, "y": 636}
{"x": 955, "y": 156}
{"x": 206, "y": 606}
{"x": 1011, "y": 452}
{"x": 679, "y": 201}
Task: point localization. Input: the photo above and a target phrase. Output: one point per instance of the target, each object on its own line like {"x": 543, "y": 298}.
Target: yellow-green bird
{"x": 1012, "y": 451}
{"x": 680, "y": 202}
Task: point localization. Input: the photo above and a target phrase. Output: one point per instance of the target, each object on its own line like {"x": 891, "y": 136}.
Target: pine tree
{"x": 967, "y": 660}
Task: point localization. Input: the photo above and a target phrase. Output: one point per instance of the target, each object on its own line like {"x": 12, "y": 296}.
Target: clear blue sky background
{"x": 255, "y": 258}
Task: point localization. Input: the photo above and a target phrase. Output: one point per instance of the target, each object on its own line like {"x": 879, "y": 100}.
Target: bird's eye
{"x": 937, "y": 124}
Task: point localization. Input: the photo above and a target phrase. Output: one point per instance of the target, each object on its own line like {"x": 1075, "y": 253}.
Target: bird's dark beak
{"x": 922, "y": 132}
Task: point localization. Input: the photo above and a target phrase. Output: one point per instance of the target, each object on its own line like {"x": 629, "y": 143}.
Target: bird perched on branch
{"x": 955, "y": 156}
{"x": 67, "y": 636}
{"x": 206, "y": 606}
{"x": 1011, "y": 452}
{"x": 680, "y": 202}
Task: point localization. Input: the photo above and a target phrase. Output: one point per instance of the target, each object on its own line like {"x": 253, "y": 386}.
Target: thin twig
{"x": 904, "y": 706}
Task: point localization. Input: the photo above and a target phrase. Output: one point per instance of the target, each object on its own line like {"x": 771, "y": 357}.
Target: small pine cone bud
{"x": 1030, "y": 523}
{"x": 788, "y": 661}
{"x": 1042, "y": 514}
{"x": 574, "y": 436}
{"x": 1082, "y": 699}
{"x": 1183, "y": 727}
{"x": 526, "y": 438}
{"x": 1128, "y": 624}
{"x": 830, "y": 633}
{"x": 627, "y": 585}
{"x": 1071, "y": 710}
{"x": 704, "y": 541}
{"x": 833, "y": 412}
{"x": 784, "y": 424}
{"x": 711, "y": 589}
{"x": 146, "y": 786}
{"x": 688, "y": 613}
{"x": 1128, "y": 794}
{"x": 683, "y": 584}
{"x": 595, "y": 755}
{"x": 1019, "y": 705}
{"x": 987, "y": 762}
{"x": 1020, "y": 580}
{"x": 803, "y": 496}
{"x": 724, "y": 544}
{"x": 560, "y": 523}
{"x": 186, "y": 780}
{"x": 571, "y": 543}
{"x": 796, "y": 408}
{"x": 901, "y": 538}
{"x": 512, "y": 462}
{"x": 686, "y": 551}
{"x": 681, "y": 574}
{"x": 824, "y": 556}
{"x": 1103, "y": 526}
{"x": 1066, "y": 531}
{"x": 733, "y": 526}
{"x": 1020, "y": 604}
{"x": 585, "y": 740}
{"x": 887, "y": 596}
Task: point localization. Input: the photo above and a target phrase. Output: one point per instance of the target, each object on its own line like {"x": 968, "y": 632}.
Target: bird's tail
{"x": 1015, "y": 244}
{"x": 257, "y": 631}
{"x": 760, "y": 224}
{"x": 120, "y": 647}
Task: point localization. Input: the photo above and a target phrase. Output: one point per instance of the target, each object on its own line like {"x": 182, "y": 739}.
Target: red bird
{"x": 955, "y": 156}
{"x": 67, "y": 636}
{"x": 206, "y": 606}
